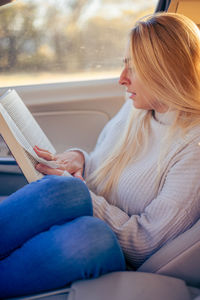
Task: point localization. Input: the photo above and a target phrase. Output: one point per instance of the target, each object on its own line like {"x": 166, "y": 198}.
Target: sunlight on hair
{"x": 165, "y": 54}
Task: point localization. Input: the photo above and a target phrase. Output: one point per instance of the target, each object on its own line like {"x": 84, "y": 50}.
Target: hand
{"x": 72, "y": 161}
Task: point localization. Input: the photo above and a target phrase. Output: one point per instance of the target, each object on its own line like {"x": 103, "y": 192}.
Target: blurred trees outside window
{"x": 51, "y": 41}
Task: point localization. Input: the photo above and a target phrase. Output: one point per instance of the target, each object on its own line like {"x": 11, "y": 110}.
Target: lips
{"x": 132, "y": 93}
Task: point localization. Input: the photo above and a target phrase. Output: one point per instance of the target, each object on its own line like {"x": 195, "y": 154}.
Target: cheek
{"x": 142, "y": 99}
{"x": 146, "y": 97}
{"x": 135, "y": 84}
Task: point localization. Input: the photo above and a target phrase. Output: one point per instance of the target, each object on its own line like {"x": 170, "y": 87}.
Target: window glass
{"x": 51, "y": 41}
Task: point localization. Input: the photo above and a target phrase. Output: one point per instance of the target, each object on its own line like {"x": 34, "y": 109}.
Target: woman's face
{"x": 138, "y": 93}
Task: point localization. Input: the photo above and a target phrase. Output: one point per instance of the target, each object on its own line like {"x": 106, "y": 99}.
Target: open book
{"x": 21, "y": 133}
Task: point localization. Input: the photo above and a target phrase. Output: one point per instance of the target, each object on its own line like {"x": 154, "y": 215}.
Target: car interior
{"x": 83, "y": 108}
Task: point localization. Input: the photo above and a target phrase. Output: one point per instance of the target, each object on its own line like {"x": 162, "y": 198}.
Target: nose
{"x": 124, "y": 79}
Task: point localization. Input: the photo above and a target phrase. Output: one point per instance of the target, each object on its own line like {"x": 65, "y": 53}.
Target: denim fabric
{"x": 49, "y": 238}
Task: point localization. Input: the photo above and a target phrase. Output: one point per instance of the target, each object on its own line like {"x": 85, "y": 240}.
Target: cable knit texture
{"x": 145, "y": 215}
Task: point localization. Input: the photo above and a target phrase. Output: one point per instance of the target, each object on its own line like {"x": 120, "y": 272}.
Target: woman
{"x": 143, "y": 175}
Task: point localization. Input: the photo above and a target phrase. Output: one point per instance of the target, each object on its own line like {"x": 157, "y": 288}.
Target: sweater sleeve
{"x": 172, "y": 212}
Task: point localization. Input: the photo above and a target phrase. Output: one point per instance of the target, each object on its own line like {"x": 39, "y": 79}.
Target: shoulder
{"x": 190, "y": 142}
{"x": 182, "y": 161}
{"x": 185, "y": 156}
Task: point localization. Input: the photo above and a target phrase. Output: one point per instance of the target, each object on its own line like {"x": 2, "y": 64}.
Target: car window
{"x": 54, "y": 41}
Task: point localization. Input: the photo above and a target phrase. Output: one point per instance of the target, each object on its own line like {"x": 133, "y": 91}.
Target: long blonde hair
{"x": 164, "y": 51}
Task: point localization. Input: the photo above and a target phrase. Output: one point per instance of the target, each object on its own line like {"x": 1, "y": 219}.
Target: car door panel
{"x": 72, "y": 128}
{"x": 73, "y": 114}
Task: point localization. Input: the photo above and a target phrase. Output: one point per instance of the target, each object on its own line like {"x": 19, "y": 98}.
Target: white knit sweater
{"x": 146, "y": 215}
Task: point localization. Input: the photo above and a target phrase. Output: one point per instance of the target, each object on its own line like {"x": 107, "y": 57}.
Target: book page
{"x": 24, "y": 160}
{"x": 24, "y": 127}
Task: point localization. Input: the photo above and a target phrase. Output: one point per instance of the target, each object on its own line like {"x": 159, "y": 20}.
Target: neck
{"x": 166, "y": 118}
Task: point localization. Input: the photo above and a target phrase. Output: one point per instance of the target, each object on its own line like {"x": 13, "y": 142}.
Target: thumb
{"x": 78, "y": 174}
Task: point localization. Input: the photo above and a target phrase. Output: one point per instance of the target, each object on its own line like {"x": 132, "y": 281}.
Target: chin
{"x": 137, "y": 106}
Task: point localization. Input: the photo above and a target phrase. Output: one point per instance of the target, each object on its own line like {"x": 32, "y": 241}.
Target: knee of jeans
{"x": 60, "y": 180}
{"x": 67, "y": 187}
{"x": 63, "y": 183}
{"x": 103, "y": 243}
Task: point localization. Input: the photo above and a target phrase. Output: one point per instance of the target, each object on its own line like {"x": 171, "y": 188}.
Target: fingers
{"x": 64, "y": 162}
{"x": 66, "y": 165}
{"x": 44, "y": 153}
{"x": 40, "y": 148}
{"x": 60, "y": 172}
{"x": 78, "y": 174}
{"x": 47, "y": 170}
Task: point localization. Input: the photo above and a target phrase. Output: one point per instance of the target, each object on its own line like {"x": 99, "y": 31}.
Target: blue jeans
{"x": 49, "y": 238}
